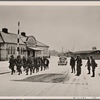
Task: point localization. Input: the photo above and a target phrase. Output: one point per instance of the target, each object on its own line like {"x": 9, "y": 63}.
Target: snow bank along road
{"x": 55, "y": 81}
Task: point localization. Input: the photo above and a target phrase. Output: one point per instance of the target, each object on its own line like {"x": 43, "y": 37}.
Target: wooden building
{"x": 88, "y": 53}
{"x": 28, "y": 45}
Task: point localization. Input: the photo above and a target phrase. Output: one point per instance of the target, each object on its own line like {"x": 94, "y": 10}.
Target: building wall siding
{"x": 95, "y": 56}
{"x": 3, "y": 52}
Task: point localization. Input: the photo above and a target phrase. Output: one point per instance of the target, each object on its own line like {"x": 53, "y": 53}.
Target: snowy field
{"x": 57, "y": 81}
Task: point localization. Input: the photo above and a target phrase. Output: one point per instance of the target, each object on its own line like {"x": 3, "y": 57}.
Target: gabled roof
{"x": 12, "y": 38}
{"x": 87, "y": 52}
{"x": 41, "y": 44}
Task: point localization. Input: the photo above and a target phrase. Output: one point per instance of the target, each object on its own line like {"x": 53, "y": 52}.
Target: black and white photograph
{"x": 49, "y": 50}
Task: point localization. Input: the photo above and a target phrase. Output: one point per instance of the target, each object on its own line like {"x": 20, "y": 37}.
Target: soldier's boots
{"x": 30, "y": 73}
{"x": 19, "y": 73}
{"x": 26, "y": 72}
{"x": 93, "y": 74}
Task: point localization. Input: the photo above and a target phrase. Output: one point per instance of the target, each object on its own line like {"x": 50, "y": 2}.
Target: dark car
{"x": 62, "y": 60}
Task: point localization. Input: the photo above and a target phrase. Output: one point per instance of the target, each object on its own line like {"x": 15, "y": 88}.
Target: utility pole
{"x": 18, "y": 38}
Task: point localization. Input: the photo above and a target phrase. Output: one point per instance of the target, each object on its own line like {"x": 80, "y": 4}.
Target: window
{"x": 8, "y": 50}
{"x": 11, "y": 50}
{"x": 21, "y": 50}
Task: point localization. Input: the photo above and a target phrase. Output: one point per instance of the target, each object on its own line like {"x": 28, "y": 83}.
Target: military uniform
{"x": 34, "y": 64}
{"x": 88, "y": 65}
{"x": 72, "y": 64}
{"x": 24, "y": 63}
{"x": 79, "y": 64}
{"x": 94, "y": 65}
{"x": 12, "y": 64}
{"x": 29, "y": 65}
{"x": 19, "y": 64}
{"x": 46, "y": 63}
{"x": 38, "y": 62}
{"x": 42, "y": 63}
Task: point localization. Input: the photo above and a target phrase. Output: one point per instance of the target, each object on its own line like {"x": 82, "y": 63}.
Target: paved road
{"x": 55, "y": 81}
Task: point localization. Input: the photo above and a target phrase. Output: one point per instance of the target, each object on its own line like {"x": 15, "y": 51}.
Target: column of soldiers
{"x": 78, "y": 61}
{"x": 30, "y": 64}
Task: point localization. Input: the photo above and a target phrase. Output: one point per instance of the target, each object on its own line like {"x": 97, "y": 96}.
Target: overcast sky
{"x": 70, "y": 27}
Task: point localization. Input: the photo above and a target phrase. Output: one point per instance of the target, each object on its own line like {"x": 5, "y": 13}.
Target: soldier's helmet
{"x": 12, "y": 56}
{"x": 91, "y": 57}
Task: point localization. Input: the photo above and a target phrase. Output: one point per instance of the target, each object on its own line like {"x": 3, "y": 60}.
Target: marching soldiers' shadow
{"x": 46, "y": 78}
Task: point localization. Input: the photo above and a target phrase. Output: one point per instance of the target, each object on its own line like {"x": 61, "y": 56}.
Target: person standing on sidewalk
{"x": 72, "y": 64}
{"x": 79, "y": 64}
{"x": 12, "y": 64}
{"x": 88, "y": 65}
{"x": 93, "y": 65}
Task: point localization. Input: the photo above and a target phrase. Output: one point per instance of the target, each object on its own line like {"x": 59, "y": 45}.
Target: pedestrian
{"x": 72, "y": 64}
{"x": 93, "y": 65}
{"x": 24, "y": 61}
{"x": 88, "y": 65}
{"x": 12, "y": 64}
{"x": 79, "y": 64}
{"x": 29, "y": 65}
{"x": 19, "y": 64}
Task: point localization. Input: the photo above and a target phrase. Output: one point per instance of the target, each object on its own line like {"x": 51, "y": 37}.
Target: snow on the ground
{"x": 83, "y": 85}
{"x": 4, "y": 66}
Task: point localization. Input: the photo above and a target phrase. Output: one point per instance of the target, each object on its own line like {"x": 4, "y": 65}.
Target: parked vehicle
{"x": 62, "y": 60}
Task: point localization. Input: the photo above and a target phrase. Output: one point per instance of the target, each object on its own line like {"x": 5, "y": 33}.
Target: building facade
{"x": 85, "y": 54}
{"x": 28, "y": 45}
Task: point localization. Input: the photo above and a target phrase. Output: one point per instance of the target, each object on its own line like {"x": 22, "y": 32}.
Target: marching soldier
{"x": 12, "y": 64}
{"x": 42, "y": 63}
{"x": 19, "y": 64}
{"x": 24, "y": 62}
{"x": 29, "y": 65}
{"x": 37, "y": 64}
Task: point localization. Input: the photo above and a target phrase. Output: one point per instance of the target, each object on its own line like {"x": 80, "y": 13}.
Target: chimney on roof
{"x": 5, "y": 30}
{"x": 23, "y": 34}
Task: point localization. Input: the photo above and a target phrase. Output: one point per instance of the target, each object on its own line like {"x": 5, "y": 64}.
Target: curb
{"x": 4, "y": 72}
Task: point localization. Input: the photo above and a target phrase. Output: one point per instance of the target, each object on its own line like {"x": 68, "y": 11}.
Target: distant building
{"x": 53, "y": 53}
{"x": 69, "y": 54}
{"x": 28, "y": 45}
{"x": 88, "y": 53}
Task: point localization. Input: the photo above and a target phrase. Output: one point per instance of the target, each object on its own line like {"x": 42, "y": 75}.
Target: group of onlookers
{"x": 78, "y": 62}
{"x": 30, "y": 64}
